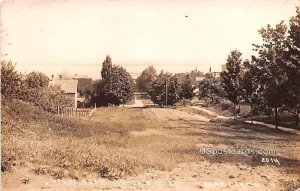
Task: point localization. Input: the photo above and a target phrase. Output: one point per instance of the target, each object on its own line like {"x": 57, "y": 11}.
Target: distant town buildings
{"x": 223, "y": 67}
{"x": 215, "y": 74}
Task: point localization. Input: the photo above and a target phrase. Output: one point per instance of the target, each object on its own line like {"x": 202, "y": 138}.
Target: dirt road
{"x": 224, "y": 156}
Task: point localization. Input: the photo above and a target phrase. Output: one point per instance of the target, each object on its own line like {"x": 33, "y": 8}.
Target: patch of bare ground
{"x": 193, "y": 110}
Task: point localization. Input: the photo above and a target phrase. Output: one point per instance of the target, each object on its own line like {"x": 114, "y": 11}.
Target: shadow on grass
{"x": 240, "y": 135}
{"x": 287, "y": 121}
{"x": 241, "y": 125}
{"x": 283, "y": 163}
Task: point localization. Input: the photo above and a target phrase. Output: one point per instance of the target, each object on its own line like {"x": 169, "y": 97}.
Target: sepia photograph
{"x": 150, "y": 95}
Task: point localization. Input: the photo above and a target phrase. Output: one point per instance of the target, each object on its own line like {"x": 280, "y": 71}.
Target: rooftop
{"x": 68, "y": 86}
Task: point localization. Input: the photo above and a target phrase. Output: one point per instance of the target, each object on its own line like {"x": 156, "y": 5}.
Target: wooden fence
{"x": 72, "y": 112}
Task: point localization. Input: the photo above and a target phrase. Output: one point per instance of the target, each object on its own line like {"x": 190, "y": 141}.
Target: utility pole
{"x": 58, "y": 109}
{"x": 166, "y": 93}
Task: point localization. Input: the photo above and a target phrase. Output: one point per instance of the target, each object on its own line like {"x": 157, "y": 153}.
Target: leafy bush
{"x": 12, "y": 82}
{"x": 37, "y": 80}
{"x": 49, "y": 98}
{"x": 31, "y": 88}
{"x": 226, "y": 106}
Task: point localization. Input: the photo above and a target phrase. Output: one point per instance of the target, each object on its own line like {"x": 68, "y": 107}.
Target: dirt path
{"x": 137, "y": 104}
{"x": 211, "y": 113}
{"x": 294, "y": 131}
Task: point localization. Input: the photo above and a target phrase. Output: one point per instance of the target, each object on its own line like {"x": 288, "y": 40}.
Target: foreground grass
{"x": 103, "y": 144}
{"x": 121, "y": 142}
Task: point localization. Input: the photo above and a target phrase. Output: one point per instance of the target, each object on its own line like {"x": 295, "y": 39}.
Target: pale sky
{"x": 177, "y": 36}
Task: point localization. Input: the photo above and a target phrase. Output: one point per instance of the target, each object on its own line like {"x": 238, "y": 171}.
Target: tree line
{"x": 116, "y": 86}
{"x": 166, "y": 89}
{"x": 270, "y": 80}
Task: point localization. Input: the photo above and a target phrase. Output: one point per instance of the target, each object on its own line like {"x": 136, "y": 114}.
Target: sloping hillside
{"x": 69, "y": 147}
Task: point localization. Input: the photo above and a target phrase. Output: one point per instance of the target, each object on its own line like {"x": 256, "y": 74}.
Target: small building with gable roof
{"x": 69, "y": 87}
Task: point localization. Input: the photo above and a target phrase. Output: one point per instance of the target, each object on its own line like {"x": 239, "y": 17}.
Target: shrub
{"x": 31, "y": 88}
{"x": 50, "y": 98}
{"x": 12, "y": 82}
{"x": 37, "y": 80}
{"x": 226, "y": 106}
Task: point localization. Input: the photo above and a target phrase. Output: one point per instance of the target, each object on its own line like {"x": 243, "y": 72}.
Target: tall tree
{"x": 187, "y": 88}
{"x": 292, "y": 68}
{"x": 230, "y": 78}
{"x": 210, "y": 87}
{"x": 270, "y": 60}
{"x": 116, "y": 85}
{"x": 146, "y": 78}
{"x": 250, "y": 86}
{"x": 106, "y": 67}
{"x": 165, "y": 90}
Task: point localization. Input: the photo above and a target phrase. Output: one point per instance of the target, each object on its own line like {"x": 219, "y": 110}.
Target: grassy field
{"x": 119, "y": 143}
{"x": 103, "y": 144}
